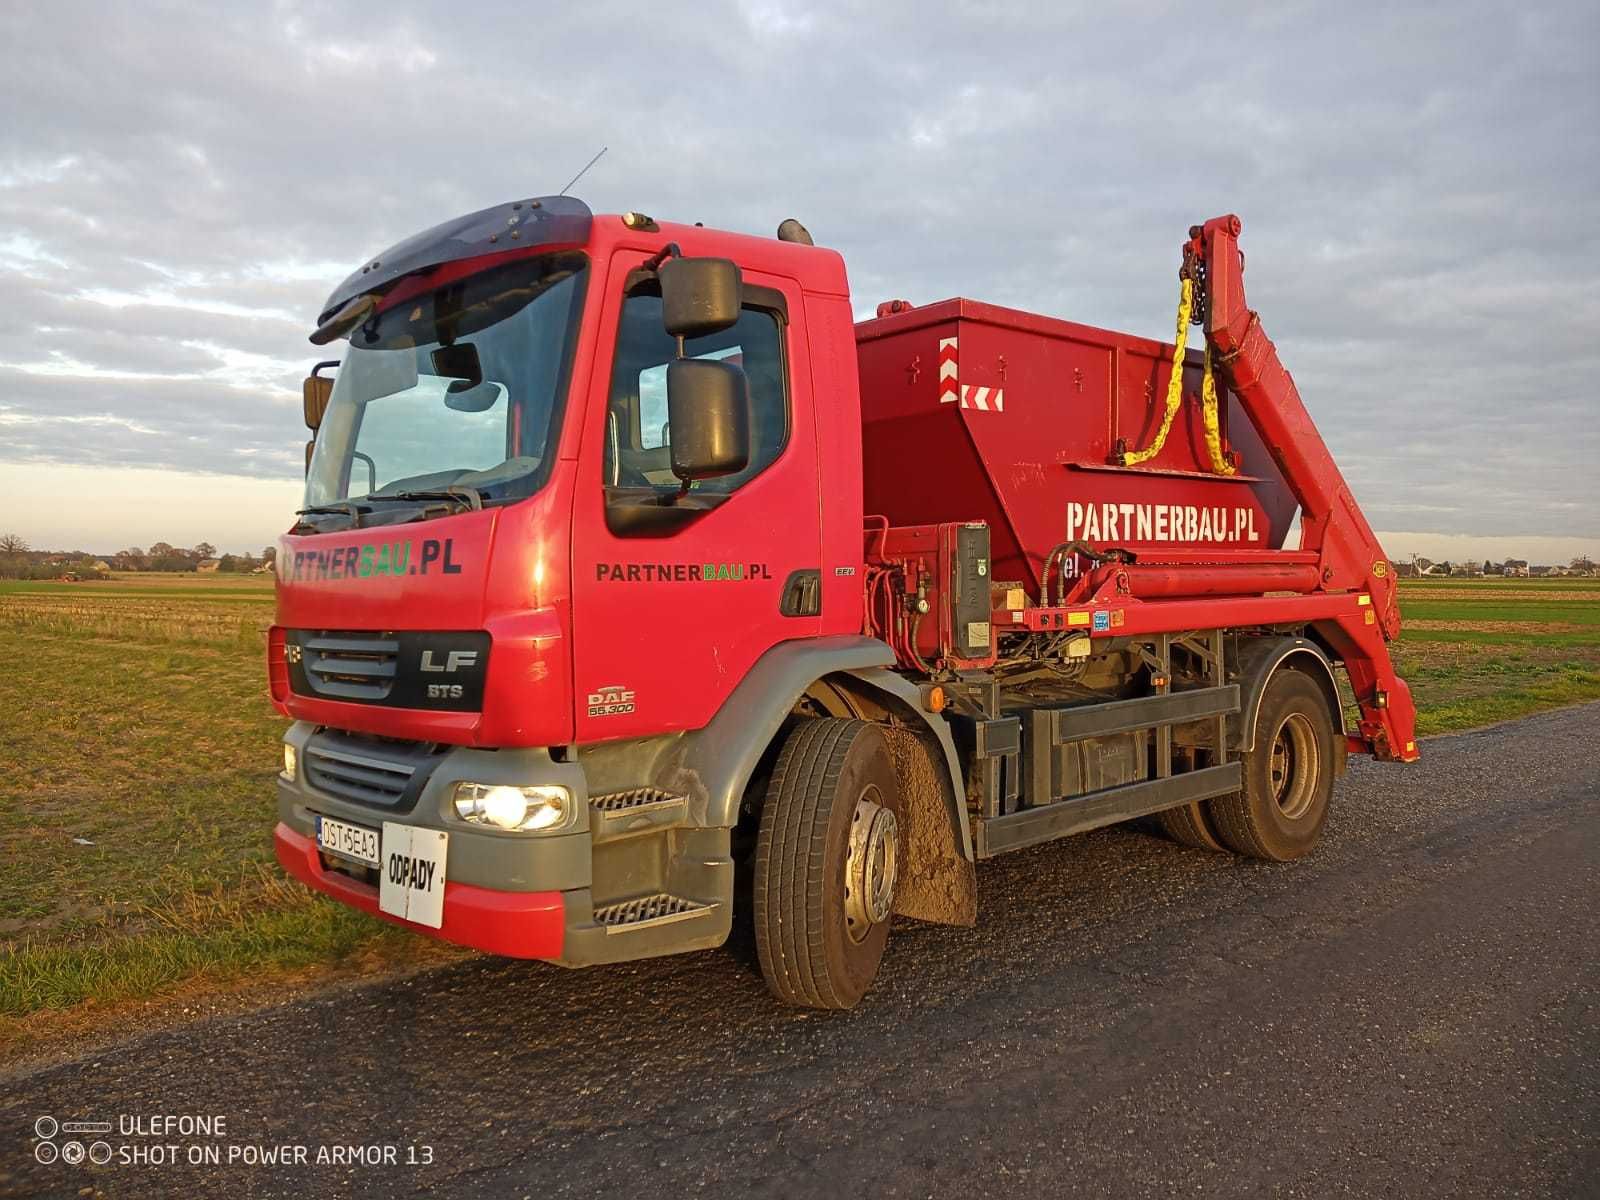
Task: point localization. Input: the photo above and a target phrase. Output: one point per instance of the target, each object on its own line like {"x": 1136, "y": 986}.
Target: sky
{"x": 181, "y": 187}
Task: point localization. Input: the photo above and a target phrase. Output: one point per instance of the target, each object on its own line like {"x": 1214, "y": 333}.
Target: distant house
{"x": 1516, "y": 566}
{"x": 1538, "y": 570}
{"x": 208, "y": 566}
{"x": 265, "y": 568}
{"x": 1405, "y": 570}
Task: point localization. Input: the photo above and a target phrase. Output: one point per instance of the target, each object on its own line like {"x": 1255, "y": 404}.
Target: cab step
{"x": 636, "y": 811}
{"x": 642, "y": 912}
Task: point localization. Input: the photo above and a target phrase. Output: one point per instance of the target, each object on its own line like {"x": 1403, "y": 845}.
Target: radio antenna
{"x": 583, "y": 172}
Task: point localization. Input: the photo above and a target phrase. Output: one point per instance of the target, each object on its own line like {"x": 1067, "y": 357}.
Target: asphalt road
{"x": 1413, "y": 1011}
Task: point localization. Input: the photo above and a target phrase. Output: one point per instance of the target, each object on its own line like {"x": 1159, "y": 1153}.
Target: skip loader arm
{"x": 1332, "y": 524}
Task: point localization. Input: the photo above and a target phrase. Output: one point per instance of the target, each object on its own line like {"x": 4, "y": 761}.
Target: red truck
{"x": 637, "y": 581}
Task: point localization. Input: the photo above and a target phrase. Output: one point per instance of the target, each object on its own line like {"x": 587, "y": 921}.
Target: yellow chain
{"x": 1208, "y": 396}
{"x": 1174, "y": 385}
{"x": 1208, "y": 412}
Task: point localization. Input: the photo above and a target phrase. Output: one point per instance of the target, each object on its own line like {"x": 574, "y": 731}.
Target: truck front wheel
{"x": 826, "y": 860}
{"x": 1288, "y": 777}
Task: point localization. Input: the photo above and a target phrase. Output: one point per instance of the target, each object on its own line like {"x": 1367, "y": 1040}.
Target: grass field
{"x": 137, "y": 804}
{"x": 1481, "y": 650}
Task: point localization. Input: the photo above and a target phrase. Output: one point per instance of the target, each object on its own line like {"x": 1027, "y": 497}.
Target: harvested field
{"x": 1494, "y": 627}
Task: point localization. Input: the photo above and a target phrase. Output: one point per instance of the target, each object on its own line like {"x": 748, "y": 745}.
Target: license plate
{"x": 348, "y": 841}
{"x": 411, "y": 875}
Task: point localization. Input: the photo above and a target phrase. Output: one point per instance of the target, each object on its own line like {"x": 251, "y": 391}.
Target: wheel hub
{"x": 1293, "y": 766}
{"x": 870, "y": 868}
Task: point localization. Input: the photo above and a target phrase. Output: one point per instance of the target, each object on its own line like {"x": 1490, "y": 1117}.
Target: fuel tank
{"x": 971, "y": 411}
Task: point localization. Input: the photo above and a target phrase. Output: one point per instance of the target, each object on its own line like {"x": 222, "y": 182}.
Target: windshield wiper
{"x": 347, "y": 509}
{"x": 470, "y": 497}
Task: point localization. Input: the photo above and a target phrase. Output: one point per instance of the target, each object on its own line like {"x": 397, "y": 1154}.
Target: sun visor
{"x": 543, "y": 221}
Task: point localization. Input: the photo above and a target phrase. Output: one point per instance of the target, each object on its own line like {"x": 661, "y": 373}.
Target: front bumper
{"x": 614, "y": 885}
{"x": 515, "y": 924}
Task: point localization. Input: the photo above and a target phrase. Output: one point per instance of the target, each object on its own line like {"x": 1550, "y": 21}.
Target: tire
{"x": 826, "y": 859}
{"x": 1288, "y": 777}
{"x": 1187, "y": 825}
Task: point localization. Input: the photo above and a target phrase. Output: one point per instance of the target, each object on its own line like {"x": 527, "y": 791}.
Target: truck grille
{"x": 351, "y": 666}
{"x": 368, "y": 770}
{"x": 442, "y": 670}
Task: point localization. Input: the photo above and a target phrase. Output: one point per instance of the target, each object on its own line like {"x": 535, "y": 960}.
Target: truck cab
{"x": 504, "y": 618}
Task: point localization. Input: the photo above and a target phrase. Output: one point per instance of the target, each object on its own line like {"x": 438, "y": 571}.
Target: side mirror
{"x": 708, "y": 407}
{"x": 314, "y": 393}
{"x": 699, "y": 295}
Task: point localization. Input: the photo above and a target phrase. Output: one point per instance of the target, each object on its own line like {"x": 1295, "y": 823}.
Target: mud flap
{"x": 937, "y": 883}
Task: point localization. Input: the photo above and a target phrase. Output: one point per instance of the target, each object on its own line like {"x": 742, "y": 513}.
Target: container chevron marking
{"x": 988, "y": 399}
{"x": 952, "y": 390}
{"x": 947, "y": 371}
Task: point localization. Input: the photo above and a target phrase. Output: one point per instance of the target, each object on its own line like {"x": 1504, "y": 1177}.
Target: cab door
{"x": 667, "y": 621}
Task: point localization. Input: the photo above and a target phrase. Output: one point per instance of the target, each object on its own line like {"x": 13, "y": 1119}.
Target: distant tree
{"x": 269, "y": 554}
{"x": 164, "y": 556}
{"x": 204, "y": 550}
{"x": 230, "y": 563}
{"x": 1487, "y": 566}
{"x": 12, "y": 544}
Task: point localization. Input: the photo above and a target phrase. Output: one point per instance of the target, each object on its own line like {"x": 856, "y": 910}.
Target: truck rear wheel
{"x": 1288, "y": 777}
{"x": 1188, "y": 826}
{"x": 826, "y": 860}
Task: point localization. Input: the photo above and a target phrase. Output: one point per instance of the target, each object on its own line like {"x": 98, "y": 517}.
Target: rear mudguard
{"x": 1259, "y": 659}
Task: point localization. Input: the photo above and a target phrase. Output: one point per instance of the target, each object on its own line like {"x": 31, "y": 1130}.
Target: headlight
{"x": 544, "y": 806}
{"x": 291, "y": 762}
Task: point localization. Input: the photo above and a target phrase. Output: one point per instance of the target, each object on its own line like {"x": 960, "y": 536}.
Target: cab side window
{"x": 638, "y": 436}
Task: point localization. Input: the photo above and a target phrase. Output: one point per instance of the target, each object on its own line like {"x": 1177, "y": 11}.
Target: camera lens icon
{"x": 100, "y": 1154}
{"x": 72, "y": 1153}
{"x": 46, "y": 1152}
{"x": 45, "y": 1127}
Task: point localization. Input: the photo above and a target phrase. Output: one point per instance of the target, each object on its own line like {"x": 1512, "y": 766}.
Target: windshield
{"x": 458, "y": 391}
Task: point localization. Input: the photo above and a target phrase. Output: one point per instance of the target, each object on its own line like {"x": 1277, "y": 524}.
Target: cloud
{"x": 1417, "y": 186}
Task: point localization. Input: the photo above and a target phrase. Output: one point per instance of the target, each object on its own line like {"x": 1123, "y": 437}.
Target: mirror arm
{"x": 653, "y": 263}
{"x": 372, "y": 470}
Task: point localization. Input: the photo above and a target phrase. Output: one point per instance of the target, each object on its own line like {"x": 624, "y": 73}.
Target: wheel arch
{"x": 1260, "y": 658}
{"x": 845, "y": 676}
{"x": 878, "y": 694}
